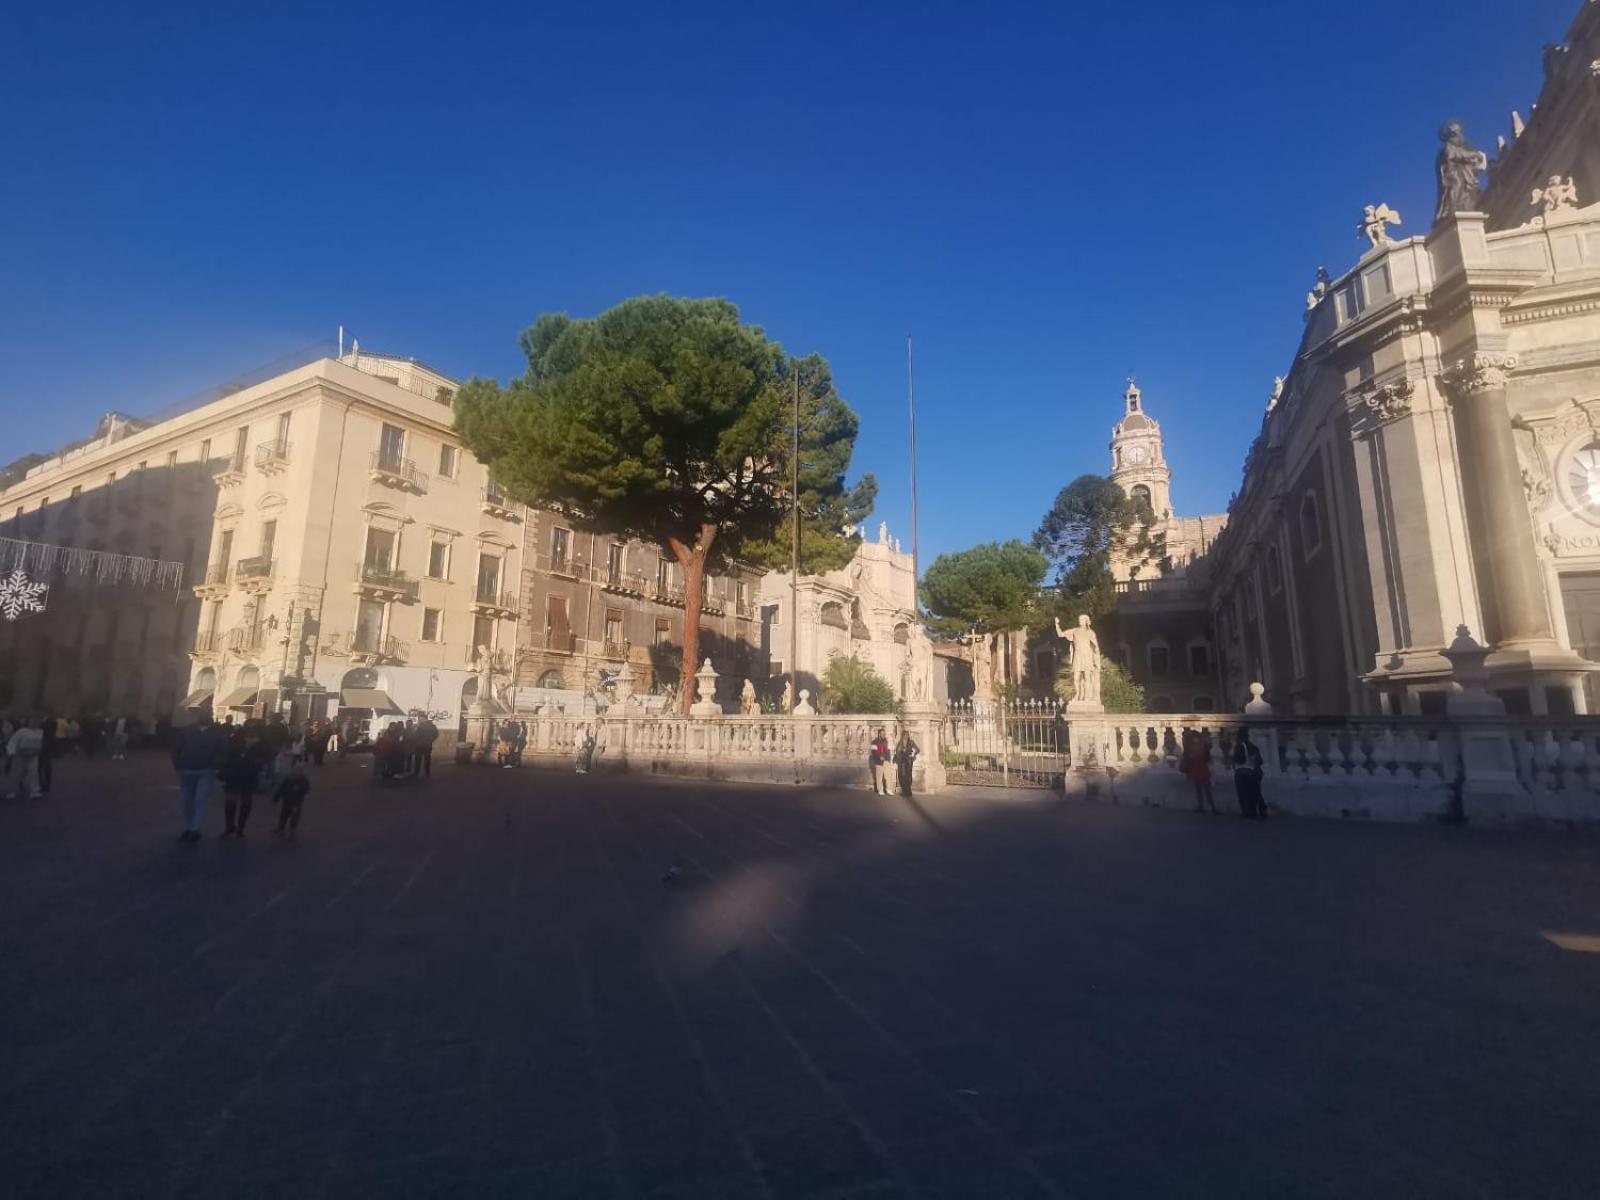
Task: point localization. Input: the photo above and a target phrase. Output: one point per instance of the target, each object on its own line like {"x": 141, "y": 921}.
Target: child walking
{"x": 290, "y": 796}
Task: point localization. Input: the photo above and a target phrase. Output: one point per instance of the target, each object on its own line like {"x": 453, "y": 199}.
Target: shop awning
{"x": 198, "y": 698}
{"x": 368, "y": 698}
{"x": 239, "y": 698}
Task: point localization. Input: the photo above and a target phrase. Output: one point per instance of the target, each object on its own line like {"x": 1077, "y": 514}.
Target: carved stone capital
{"x": 1477, "y": 373}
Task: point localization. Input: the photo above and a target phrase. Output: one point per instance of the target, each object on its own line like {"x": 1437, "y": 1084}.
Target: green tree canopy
{"x": 1091, "y": 523}
{"x": 1118, "y": 692}
{"x": 668, "y": 420}
{"x": 852, "y": 686}
{"x": 991, "y": 587}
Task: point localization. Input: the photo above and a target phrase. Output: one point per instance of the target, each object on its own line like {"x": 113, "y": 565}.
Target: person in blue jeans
{"x": 196, "y": 753}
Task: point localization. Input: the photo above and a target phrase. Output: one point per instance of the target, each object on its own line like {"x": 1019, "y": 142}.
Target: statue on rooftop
{"x": 1375, "y": 224}
{"x": 1458, "y": 166}
{"x": 1556, "y": 195}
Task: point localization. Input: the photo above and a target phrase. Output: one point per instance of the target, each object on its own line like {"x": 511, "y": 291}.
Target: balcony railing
{"x": 365, "y": 646}
{"x": 398, "y": 472}
{"x": 229, "y": 471}
{"x": 272, "y": 457}
{"x": 208, "y": 641}
{"x": 385, "y": 583}
{"x": 558, "y": 641}
{"x": 214, "y": 580}
{"x": 242, "y": 641}
{"x": 497, "y": 504}
{"x": 490, "y": 599}
{"x": 611, "y": 649}
{"x": 254, "y": 574}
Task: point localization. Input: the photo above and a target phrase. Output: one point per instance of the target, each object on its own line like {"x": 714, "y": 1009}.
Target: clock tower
{"x": 1137, "y": 462}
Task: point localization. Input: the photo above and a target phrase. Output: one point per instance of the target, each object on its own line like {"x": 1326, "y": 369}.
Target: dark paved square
{"x": 482, "y": 986}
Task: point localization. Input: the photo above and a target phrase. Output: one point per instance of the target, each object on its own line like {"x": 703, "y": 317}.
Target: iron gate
{"x": 1019, "y": 744}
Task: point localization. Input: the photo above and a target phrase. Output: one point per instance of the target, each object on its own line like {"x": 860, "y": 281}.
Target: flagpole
{"x": 794, "y": 559}
{"x": 911, "y": 404}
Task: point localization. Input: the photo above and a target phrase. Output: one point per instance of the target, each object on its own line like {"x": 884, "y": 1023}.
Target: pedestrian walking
{"x": 878, "y": 763}
{"x": 196, "y": 751}
{"x": 290, "y": 797}
{"x": 51, "y": 740}
{"x": 119, "y": 738}
{"x": 23, "y": 748}
{"x": 906, "y": 751}
{"x": 427, "y": 735}
{"x": 336, "y": 743}
{"x": 240, "y": 774}
{"x": 1247, "y": 772}
{"x": 1196, "y": 767}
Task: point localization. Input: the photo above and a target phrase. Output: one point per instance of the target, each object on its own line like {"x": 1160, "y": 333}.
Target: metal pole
{"x": 911, "y": 404}
{"x": 794, "y": 559}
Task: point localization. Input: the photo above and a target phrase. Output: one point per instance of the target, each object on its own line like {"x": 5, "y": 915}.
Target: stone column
{"x": 1502, "y": 542}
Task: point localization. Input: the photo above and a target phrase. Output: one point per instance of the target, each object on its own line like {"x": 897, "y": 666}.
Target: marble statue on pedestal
{"x": 1083, "y": 654}
{"x": 749, "y": 706}
{"x": 1458, "y": 166}
{"x": 918, "y": 669}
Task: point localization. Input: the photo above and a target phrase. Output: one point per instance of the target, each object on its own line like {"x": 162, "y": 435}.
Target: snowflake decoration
{"x": 19, "y": 594}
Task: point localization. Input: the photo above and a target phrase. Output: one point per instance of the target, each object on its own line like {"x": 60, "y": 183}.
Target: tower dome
{"x": 1138, "y": 464}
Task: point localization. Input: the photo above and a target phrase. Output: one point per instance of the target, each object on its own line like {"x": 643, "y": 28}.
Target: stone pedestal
{"x": 482, "y": 717}
{"x": 924, "y": 720}
{"x": 705, "y": 704}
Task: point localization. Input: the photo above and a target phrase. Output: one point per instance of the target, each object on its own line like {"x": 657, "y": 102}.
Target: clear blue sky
{"x": 1047, "y": 195}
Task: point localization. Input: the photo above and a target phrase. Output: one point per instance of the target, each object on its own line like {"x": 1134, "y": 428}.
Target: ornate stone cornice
{"x": 1478, "y": 372}
{"x": 1387, "y": 403}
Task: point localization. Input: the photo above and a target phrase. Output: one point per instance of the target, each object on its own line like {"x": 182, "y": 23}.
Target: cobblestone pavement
{"x": 483, "y": 986}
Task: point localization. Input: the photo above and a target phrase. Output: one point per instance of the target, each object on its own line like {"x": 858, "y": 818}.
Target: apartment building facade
{"x": 592, "y": 602}
{"x": 344, "y": 552}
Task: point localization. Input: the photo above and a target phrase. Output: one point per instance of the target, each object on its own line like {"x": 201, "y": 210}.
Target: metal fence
{"x": 1021, "y": 744}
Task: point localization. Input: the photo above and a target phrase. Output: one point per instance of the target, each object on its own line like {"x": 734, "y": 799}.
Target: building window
{"x": 772, "y": 614}
{"x": 614, "y": 626}
{"x": 663, "y": 631}
{"x": 438, "y": 560}
{"x": 431, "y": 625}
{"x": 1274, "y": 571}
{"x": 269, "y": 535}
{"x": 557, "y": 626}
{"x": 241, "y": 445}
{"x": 1161, "y": 704}
{"x": 560, "y": 548}
{"x": 447, "y": 461}
{"x": 369, "y": 626}
{"x": 172, "y": 459}
{"x": 205, "y": 451}
{"x": 1310, "y": 525}
{"x": 614, "y": 555}
{"x": 482, "y": 633}
{"x": 1200, "y": 659}
{"x": 552, "y": 679}
{"x": 663, "y": 575}
{"x": 282, "y": 441}
{"x": 1160, "y": 663}
{"x": 1141, "y": 496}
{"x": 380, "y": 549}
{"x": 488, "y": 577}
{"x": 391, "y": 447}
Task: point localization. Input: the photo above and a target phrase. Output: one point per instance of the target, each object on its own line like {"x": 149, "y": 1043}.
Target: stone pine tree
{"x": 992, "y": 588}
{"x": 1091, "y": 524}
{"x": 668, "y": 420}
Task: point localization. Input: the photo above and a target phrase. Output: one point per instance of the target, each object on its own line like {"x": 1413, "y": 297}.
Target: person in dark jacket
{"x": 51, "y": 743}
{"x": 1247, "y": 773}
{"x": 196, "y": 751}
{"x": 240, "y": 774}
{"x": 290, "y": 796}
{"x": 905, "y": 761}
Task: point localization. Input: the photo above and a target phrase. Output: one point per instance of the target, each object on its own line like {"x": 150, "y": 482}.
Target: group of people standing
{"x": 30, "y": 746}
{"x": 404, "y": 750}
{"x": 1247, "y": 772}
{"x": 903, "y": 757}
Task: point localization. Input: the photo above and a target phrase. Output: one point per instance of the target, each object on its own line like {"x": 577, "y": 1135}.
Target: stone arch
{"x": 832, "y": 613}
{"x": 1139, "y": 493}
{"x": 249, "y": 677}
{"x": 552, "y": 678}
{"x": 271, "y": 502}
{"x": 206, "y": 677}
{"x": 365, "y": 678}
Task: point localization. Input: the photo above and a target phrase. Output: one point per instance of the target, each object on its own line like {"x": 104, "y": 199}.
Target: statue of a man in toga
{"x": 1083, "y": 653}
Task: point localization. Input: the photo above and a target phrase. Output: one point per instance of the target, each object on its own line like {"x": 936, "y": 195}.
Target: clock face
{"x": 1138, "y": 454}
{"x": 1583, "y": 477}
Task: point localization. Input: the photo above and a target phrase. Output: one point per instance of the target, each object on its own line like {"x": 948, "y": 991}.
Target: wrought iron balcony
{"x": 557, "y": 641}
{"x": 610, "y": 649}
{"x": 272, "y": 457}
{"x": 491, "y": 602}
{"x": 497, "y": 504}
{"x": 206, "y": 644}
{"x": 384, "y": 583}
{"x": 397, "y": 472}
{"x": 245, "y": 640}
{"x": 229, "y": 471}
{"x": 254, "y": 574}
{"x": 363, "y": 646}
{"x": 214, "y": 583}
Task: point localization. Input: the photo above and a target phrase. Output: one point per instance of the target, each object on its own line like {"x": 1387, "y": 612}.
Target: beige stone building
{"x": 1432, "y": 458}
{"x": 865, "y": 610}
{"x": 344, "y": 551}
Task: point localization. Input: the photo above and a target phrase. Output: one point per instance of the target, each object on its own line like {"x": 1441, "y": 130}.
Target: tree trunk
{"x": 693, "y": 563}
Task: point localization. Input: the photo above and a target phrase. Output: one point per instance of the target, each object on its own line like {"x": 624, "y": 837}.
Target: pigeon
{"x": 672, "y": 873}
